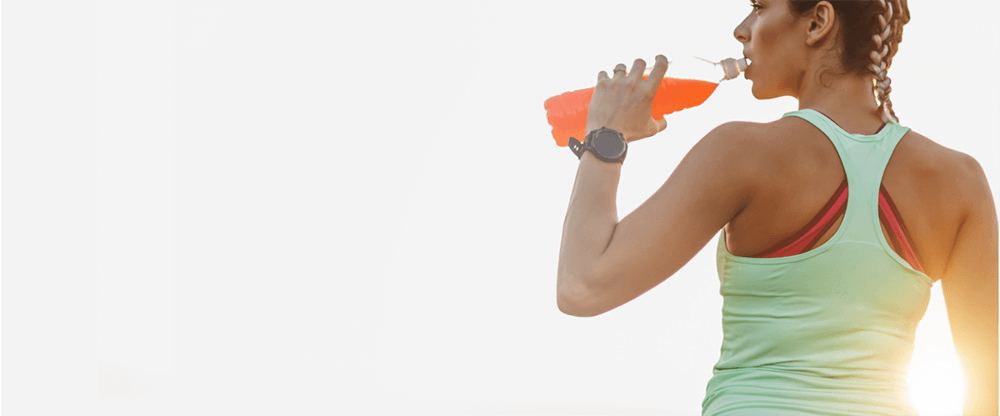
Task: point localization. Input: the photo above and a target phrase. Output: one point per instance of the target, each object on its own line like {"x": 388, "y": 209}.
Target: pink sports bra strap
{"x": 889, "y": 216}
{"x": 807, "y": 238}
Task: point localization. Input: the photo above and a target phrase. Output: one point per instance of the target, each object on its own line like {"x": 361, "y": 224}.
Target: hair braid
{"x": 885, "y": 45}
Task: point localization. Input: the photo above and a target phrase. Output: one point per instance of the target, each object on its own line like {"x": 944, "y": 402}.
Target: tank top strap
{"x": 864, "y": 158}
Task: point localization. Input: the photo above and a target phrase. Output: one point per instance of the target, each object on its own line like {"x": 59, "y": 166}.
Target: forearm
{"x": 589, "y": 224}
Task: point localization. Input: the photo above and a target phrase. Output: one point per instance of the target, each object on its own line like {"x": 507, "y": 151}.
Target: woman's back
{"x": 827, "y": 330}
{"x": 804, "y": 170}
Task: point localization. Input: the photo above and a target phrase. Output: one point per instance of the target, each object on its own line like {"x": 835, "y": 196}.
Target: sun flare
{"x": 936, "y": 385}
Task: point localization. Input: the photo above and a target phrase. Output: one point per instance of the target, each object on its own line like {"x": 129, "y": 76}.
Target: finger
{"x": 602, "y": 76}
{"x": 656, "y": 75}
{"x": 620, "y": 70}
{"x": 637, "y": 68}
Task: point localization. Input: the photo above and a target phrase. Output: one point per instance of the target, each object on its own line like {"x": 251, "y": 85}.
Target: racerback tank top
{"x": 828, "y": 331}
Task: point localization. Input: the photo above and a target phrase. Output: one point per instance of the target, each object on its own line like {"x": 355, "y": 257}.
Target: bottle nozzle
{"x": 734, "y": 67}
{"x": 731, "y": 68}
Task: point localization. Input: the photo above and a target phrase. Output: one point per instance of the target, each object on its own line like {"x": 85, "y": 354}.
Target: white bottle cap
{"x": 733, "y": 67}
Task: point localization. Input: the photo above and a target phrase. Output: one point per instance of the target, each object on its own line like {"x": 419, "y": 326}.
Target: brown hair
{"x": 871, "y": 33}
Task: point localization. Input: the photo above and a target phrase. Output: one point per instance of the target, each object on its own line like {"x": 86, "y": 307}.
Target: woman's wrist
{"x": 609, "y": 166}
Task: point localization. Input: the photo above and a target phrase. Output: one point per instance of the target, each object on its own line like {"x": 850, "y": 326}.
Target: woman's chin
{"x": 761, "y": 93}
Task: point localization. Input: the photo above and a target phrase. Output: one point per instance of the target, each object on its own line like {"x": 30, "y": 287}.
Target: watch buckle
{"x": 576, "y": 146}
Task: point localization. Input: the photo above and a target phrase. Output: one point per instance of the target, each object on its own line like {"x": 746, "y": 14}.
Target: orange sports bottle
{"x": 687, "y": 83}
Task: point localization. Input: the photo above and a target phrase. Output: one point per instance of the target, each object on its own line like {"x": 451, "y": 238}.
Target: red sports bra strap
{"x": 804, "y": 239}
{"x": 808, "y": 237}
{"x": 890, "y": 216}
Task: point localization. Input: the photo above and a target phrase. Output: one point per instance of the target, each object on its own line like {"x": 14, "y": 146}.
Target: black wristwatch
{"x": 608, "y": 145}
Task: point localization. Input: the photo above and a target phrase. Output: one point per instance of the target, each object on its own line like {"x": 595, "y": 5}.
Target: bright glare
{"x": 935, "y": 377}
{"x": 936, "y": 386}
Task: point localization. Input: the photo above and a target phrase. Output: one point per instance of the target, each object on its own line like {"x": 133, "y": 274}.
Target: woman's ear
{"x": 820, "y": 22}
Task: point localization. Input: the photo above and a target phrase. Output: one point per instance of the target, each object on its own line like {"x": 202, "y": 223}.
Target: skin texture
{"x": 765, "y": 181}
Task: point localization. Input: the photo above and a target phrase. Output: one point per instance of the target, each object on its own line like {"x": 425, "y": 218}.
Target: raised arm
{"x": 604, "y": 263}
{"x": 969, "y": 285}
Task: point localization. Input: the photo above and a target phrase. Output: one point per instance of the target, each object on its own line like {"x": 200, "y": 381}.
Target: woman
{"x": 824, "y": 275}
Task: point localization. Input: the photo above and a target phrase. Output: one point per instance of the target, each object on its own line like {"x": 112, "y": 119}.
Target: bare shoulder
{"x": 772, "y": 136}
{"x": 952, "y": 186}
{"x": 743, "y": 146}
{"x": 742, "y": 129}
{"x": 750, "y": 150}
{"x": 734, "y": 142}
{"x": 933, "y": 155}
{"x": 929, "y": 151}
{"x": 761, "y": 145}
{"x": 742, "y": 138}
{"x": 956, "y": 174}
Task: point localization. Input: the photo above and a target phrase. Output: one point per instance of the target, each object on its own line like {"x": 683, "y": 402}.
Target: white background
{"x": 314, "y": 208}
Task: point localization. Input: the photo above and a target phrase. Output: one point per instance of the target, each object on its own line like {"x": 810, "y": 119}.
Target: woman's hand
{"x": 624, "y": 103}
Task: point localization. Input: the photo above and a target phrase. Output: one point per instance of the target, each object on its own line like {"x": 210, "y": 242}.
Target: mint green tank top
{"x": 829, "y": 331}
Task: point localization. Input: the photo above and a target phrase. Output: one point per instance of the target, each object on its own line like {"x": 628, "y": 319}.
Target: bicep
{"x": 709, "y": 187}
{"x": 969, "y": 283}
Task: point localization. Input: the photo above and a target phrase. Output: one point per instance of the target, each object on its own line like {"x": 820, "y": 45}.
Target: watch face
{"x": 608, "y": 144}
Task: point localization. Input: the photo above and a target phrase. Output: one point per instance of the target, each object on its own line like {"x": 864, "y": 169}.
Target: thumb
{"x": 661, "y": 124}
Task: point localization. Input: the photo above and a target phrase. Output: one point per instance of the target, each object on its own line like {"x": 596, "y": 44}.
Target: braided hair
{"x": 870, "y": 36}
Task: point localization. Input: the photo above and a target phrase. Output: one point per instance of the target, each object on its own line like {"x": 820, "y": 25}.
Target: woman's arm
{"x": 969, "y": 285}
{"x": 604, "y": 263}
{"x": 590, "y": 221}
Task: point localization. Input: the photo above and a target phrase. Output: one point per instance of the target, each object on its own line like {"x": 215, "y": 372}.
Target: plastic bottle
{"x": 687, "y": 83}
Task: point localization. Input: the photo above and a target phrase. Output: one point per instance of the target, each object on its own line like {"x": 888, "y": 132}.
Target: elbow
{"x": 571, "y": 308}
{"x": 565, "y": 306}
{"x": 574, "y": 299}
{"x": 575, "y": 310}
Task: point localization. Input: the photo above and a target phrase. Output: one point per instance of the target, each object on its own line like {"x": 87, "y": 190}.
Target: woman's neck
{"x": 849, "y": 101}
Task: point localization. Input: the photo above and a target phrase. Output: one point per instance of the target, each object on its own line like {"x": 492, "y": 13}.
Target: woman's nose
{"x": 742, "y": 33}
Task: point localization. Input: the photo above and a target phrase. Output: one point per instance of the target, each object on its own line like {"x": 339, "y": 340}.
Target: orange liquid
{"x": 567, "y": 112}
